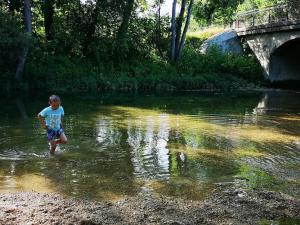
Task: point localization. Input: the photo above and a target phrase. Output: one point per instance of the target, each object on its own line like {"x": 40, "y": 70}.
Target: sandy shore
{"x": 223, "y": 206}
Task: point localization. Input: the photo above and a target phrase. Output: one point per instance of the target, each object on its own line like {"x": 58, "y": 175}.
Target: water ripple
{"x": 12, "y": 154}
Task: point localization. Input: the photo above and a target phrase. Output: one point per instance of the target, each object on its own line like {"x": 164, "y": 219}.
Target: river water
{"x": 181, "y": 145}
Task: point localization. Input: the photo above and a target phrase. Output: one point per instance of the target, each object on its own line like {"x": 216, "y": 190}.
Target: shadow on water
{"x": 180, "y": 145}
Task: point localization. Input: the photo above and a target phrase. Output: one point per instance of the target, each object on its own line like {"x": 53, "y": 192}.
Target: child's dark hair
{"x": 54, "y": 98}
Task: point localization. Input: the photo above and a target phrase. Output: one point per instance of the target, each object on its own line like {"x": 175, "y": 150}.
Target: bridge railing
{"x": 288, "y": 11}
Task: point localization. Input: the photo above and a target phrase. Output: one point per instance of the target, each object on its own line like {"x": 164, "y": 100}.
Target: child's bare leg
{"x": 62, "y": 139}
{"x": 53, "y": 146}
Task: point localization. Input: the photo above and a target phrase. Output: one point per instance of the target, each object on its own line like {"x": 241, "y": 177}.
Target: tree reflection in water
{"x": 178, "y": 146}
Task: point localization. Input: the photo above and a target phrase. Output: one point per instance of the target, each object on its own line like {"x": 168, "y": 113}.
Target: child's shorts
{"x": 52, "y": 134}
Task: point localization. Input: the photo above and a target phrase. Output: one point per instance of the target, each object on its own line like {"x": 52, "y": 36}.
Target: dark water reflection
{"x": 179, "y": 145}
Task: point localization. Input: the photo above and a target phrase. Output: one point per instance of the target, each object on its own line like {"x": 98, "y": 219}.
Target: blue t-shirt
{"x": 53, "y": 117}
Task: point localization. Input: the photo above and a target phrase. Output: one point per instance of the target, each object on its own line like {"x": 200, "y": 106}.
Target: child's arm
{"x": 62, "y": 122}
{"x": 42, "y": 121}
{"x": 62, "y": 117}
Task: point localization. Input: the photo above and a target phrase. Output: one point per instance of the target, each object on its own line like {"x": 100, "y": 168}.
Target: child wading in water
{"x": 51, "y": 120}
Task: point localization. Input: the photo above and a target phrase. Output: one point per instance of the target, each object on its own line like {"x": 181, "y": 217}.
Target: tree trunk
{"x": 121, "y": 42}
{"x": 173, "y": 30}
{"x": 27, "y": 16}
{"x": 25, "y": 49}
{"x": 158, "y": 31}
{"x": 185, "y": 28}
{"x": 48, "y": 18}
{"x": 92, "y": 27}
{"x": 179, "y": 26}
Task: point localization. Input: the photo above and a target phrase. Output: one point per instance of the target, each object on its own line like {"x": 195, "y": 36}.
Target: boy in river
{"x": 51, "y": 120}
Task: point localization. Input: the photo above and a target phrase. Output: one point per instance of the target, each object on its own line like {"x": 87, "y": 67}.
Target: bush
{"x": 195, "y": 71}
{"x": 11, "y": 41}
{"x": 214, "y": 61}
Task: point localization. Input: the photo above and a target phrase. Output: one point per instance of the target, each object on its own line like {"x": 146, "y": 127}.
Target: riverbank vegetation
{"x": 117, "y": 45}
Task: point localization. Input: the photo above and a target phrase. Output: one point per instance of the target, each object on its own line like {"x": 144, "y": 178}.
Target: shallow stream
{"x": 181, "y": 145}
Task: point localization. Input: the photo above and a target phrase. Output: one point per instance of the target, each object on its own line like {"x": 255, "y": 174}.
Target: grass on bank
{"x": 196, "y": 38}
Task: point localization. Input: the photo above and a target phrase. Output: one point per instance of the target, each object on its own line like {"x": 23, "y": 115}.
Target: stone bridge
{"x": 273, "y": 34}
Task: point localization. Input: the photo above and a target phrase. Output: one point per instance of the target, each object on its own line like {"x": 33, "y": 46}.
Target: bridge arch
{"x": 284, "y": 61}
{"x": 273, "y": 34}
{"x": 272, "y": 49}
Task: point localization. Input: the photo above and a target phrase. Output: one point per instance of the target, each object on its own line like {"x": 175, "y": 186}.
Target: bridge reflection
{"x": 274, "y": 102}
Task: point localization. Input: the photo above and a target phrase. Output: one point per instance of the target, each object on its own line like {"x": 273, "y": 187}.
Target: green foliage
{"x": 59, "y": 72}
{"x": 82, "y": 31}
{"x": 255, "y": 4}
{"x": 245, "y": 67}
{"x": 11, "y": 41}
{"x": 195, "y": 71}
{"x": 281, "y": 221}
{"x": 78, "y": 52}
{"x": 194, "y": 40}
{"x": 220, "y": 12}
{"x": 146, "y": 39}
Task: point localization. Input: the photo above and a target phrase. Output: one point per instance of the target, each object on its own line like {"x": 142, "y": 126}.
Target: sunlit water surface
{"x": 180, "y": 145}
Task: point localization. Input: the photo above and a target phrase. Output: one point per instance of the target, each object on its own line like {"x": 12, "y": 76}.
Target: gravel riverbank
{"x": 223, "y": 206}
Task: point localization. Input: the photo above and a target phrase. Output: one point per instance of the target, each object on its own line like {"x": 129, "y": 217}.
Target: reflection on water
{"x": 181, "y": 146}
{"x": 150, "y": 155}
